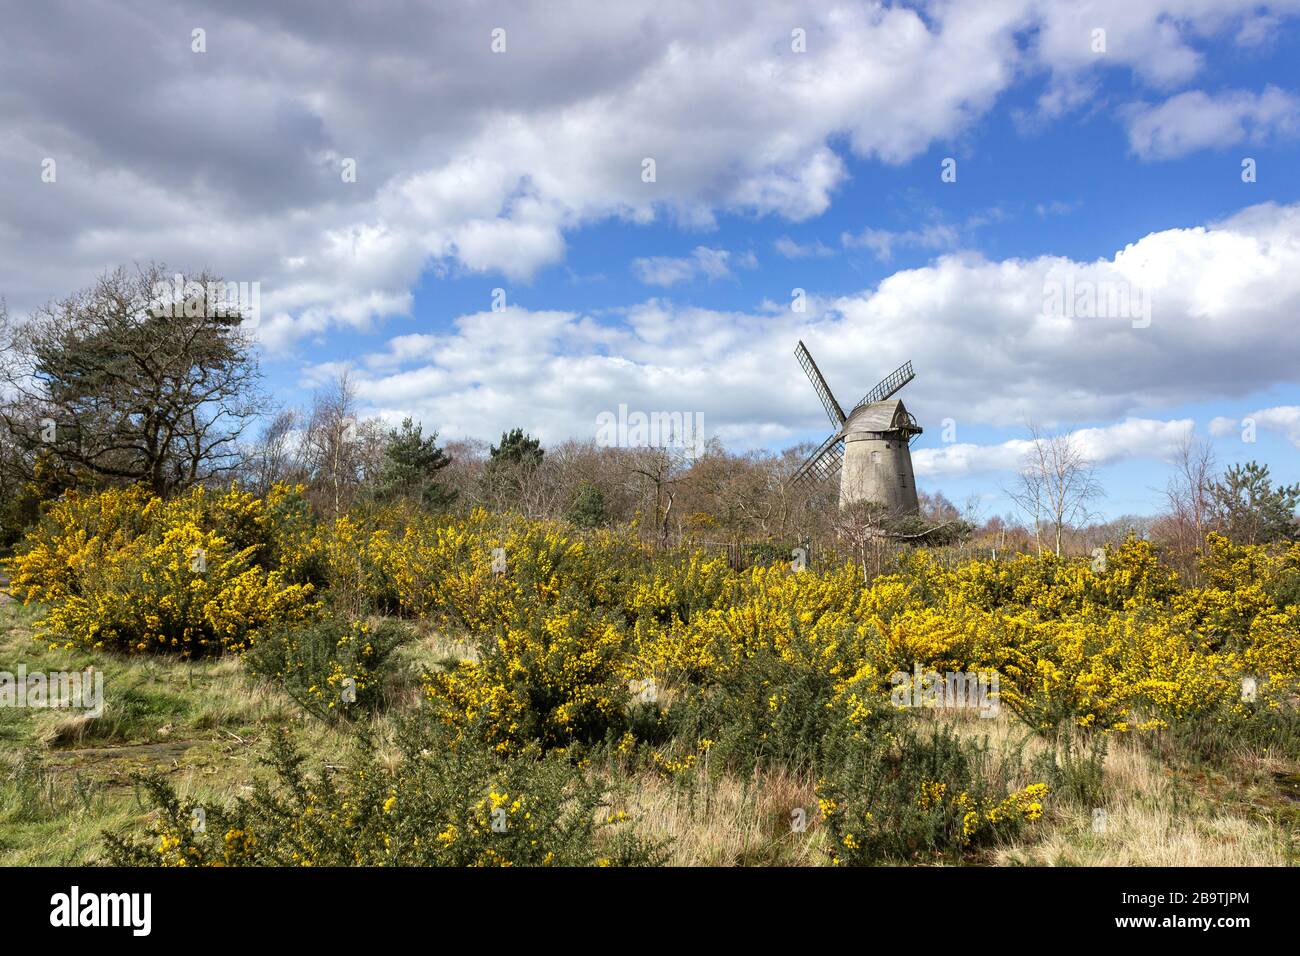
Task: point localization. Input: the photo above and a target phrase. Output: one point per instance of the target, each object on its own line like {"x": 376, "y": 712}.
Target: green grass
{"x": 66, "y": 777}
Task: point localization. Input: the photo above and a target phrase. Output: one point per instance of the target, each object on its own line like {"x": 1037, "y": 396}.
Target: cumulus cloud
{"x": 473, "y": 161}
{"x": 1222, "y": 425}
{"x": 1282, "y": 419}
{"x": 1152, "y": 38}
{"x": 1123, "y": 441}
{"x": 1258, "y": 30}
{"x": 1223, "y": 298}
{"x": 1197, "y": 120}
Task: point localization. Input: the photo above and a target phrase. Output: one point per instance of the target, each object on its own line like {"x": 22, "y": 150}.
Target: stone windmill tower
{"x": 870, "y": 448}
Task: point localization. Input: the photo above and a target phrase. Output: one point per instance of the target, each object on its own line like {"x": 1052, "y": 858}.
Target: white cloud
{"x": 1222, "y": 425}
{"x": 1130, "y": 439}
{"x": 882, "y": 242}
{"x": 1154, "y": 39}
{"x": 1282, "y": 419}
{"x": 703, "y": 262}
{"x": 481, "y": 162}
{"x": 1057, "y": 207}
{"x": 935, "y": 235}
{"x": 1258, "y": 30}
{"x": 789, "y": 249}
{"x": 1196, "y": 120}
{"x": 1223, "y": 300}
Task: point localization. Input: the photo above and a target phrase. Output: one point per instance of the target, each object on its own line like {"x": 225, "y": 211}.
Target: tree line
{"x": 103, "y": 387}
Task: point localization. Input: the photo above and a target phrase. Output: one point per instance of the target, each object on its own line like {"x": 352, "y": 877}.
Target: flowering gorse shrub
{"x": 434, "y": 804}
{"x": 590, "y": 643}
{"x": 553, "y": 678}
{"x": 194, "y": 575}
{"x": 900, "y": 796}
{"x": 335, "y": 668}
{"x": 563, "y": 619}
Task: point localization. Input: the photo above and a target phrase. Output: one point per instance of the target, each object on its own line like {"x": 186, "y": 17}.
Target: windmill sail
{"x": 824, "y": 463}
{"x": 888, "y": 385}
{"x": 833, "y": 410}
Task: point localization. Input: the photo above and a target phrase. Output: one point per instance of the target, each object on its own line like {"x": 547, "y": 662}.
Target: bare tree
{"x": 937, "y": 509}
{"x": 661, "y": 470}
{"x": 1055, "y": 485}
{"x": 275, "y": 457}
{"x": 861, "y": 527}
{"x": 465, "y": 473}
{"x": 1188, "y": 493}
{"x": 339, "y": 450}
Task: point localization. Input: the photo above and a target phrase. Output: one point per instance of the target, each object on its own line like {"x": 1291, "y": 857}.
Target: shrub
{"x": 901, "y": 796}
{"x": 333, "y": 667}
{"x": 779, "y": 705}
{"x": 556, "y": 676}
{"x": 587, "y": 510}
{"x": 1218, "y": 736}
{"x": 438, "y": 805}
{"x": 127, "y": 571}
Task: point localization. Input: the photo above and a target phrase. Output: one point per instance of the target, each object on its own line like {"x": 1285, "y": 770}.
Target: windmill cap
{"x": 887, "y": 416}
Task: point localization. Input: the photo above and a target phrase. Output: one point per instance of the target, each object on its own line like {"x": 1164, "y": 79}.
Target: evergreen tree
{"x": 517, "y": 448}
{"x": 588, "y": 507}
{"x": 510, "y": 468}
{"x": 411, "y": 464}
{"x": 127, "y": 382}
{"x": 1251, "y": 510}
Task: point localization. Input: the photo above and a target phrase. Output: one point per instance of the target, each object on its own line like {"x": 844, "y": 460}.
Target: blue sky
{"x": 520, "y": 170}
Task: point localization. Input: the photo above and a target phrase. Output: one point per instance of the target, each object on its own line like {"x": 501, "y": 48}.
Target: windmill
{"x": 870, "y": 448}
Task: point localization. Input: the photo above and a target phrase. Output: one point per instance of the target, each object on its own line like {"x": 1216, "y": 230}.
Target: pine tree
{"x": 411, "y": 463}
{"x": 1251, "y": 510}
{"x": 588, "y": 507}
{"x": 517, "y": 448}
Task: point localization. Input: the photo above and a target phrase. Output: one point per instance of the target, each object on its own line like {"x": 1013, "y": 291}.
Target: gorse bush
{"x": 778, "y": 695}
{"x": 332, "y": 666}
{"x": 901, "y": 796}
{"x": 1218, "y": 736}
{"x": 194, "y": 575}
{"x": 555, "y": 678}
{"x": 435, "y": 805}
{"x": 586, "y": 642}
{"x": 562, "y": 619}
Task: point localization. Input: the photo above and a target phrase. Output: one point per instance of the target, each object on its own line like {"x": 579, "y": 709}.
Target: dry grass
{"x": 1153, "y": 818}
{"x": 730, "y": 821}
{"x": 66, "y": 731}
